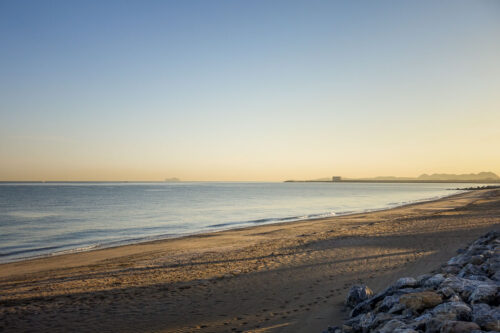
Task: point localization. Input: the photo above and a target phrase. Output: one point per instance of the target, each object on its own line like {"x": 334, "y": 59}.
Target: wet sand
{"x": 289, "y": 277}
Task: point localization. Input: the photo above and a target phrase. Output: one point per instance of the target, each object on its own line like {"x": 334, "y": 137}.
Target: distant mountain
{"x": 436, "y": 177}
{"x": 469, "y": 176}
{"x": 391, "y": 178}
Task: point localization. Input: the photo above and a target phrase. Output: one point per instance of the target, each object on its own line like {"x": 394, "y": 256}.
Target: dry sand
{"x": 289, "y": 277}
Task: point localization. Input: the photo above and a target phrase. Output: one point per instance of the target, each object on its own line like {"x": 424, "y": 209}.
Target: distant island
{"x": 481, "y": 177}
{"x": 172, "y": 180}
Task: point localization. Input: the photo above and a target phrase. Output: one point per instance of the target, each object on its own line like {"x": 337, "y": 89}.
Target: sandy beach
{"x": 289, "y": 277}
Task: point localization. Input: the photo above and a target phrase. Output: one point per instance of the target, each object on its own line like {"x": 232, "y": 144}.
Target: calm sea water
{"x": 49, "y": 218}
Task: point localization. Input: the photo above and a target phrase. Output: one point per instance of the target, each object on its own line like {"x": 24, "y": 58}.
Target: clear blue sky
{"x": 247, "y": 90}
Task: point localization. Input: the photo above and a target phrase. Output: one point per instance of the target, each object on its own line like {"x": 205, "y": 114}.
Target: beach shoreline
{"x": 265, "y": 278}
{"x": 230, "y": 226}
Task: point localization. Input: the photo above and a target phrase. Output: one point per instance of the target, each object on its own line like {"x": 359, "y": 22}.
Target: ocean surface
{"x": 38, "y": 219}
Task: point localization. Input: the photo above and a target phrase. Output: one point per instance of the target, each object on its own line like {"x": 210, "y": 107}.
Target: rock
{"x": 422, "y": 278}
{"x": 347, "y": 329}
{"x": 405, "y": 282}
{"x": 419, "y": 322}
{"x": 366, "y": 320}
{"x": 484, "y": 293}
{"x": 392, "y": 325}
{"x": 380, "y": 319}
{"x": 358, "y": 294}
{"x": 369, "y": 304}
{"x": 476, "y": 260}
{"x": 460, "y": 260}
{"x": 447, "y": 292}
{"x": 496, "y": 276}
{"x": 470, "y": 269}
{"x": 451, "y": 269}
{"x": 476, "y": 249}
{"x": 434, "y": 325}
{"x": 464, "y": 287}
{"x": 434, "y": 281}
{"x": 362, "y": 322}
{"x": 458, "y": 327}
{"x": 482, "y": 278}
{"x": 387, "y": 303}
{"x": 469, "y": 286}
{"x": 459, "y": 310}
{"x": 396, "y": 308}
{"x": 486, "y": 317}
{"x": 420, "y": 301}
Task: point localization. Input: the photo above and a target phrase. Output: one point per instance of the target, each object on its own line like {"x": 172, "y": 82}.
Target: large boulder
{"x": 358, "y": 294}
{"x": 405, "y": 282}
{"x": 420, "y": 301}
{"x": 486, "y": 317}
{"x": 462, "y": 286}
{"x": 460, "y": 310}
{"x": 387, "y": 303}
{"x": 434, "y": 281}
{"x": 484, "y": 293}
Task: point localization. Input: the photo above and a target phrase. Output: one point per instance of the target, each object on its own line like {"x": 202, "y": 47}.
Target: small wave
{"x": 275, "y": 219}
{"x": 32, "y": 215}
{"x": 26, "y": 251}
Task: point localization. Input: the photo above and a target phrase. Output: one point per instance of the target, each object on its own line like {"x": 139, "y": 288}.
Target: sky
{"x": 247, "y": 90}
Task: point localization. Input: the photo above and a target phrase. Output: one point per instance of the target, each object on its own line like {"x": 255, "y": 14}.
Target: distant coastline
{"x": 481, "y": 177}
{"x": 394, "y": 181}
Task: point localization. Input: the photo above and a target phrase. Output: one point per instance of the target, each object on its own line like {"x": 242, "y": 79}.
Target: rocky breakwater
{"x": 462, "y": 296}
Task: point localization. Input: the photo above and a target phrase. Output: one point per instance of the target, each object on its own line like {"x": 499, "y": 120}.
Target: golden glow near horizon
{"x": 309, "y": 92}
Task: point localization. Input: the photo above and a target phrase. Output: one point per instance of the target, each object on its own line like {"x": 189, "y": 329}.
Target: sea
{"x": 44, "y": 219}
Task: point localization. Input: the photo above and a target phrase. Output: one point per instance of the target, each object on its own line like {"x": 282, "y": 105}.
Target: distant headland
{"x": 481, "y": 177}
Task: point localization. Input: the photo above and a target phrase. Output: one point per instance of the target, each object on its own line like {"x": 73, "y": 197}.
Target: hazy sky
{"x": 247, "y": 90}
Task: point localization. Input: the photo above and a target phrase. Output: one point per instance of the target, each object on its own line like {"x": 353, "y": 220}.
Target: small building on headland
{"x": 336, "y": 179}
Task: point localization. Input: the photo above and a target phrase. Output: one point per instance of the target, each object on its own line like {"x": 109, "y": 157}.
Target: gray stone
{"x": 484, "y": 293}
{"x": 459, "y": 310}
{"x": 392, "y": 325}
{"x": 347, "y": 329}
{"x": 447, "y": 292}
{"x": 486, "y": 317}
{"x": 424, "y": 317}
{"x": 496, "y": 276}
{"x": 482, "y": 278}
{"x": 460, "y": 260}
{"x": 477, "y": 259}
{"x": 458, "y": 327}
{"x": 366, "y": 320}
{"x": 405, "y": 282}
{"x": 404, "y": 330}
{"x": 397, "y": 308}
{"x": 380, "y": 319}
{"x": 470, "y": 269}
{"x": 434, "y": 325}
{"x": 387, "y": 303}
{"x": 358, "y": 294}
{"x": 462, "y": 286}
{"x": 434, "y": 281}
{"x": 476, "y": 249}
{"x": 422, "y": 278}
